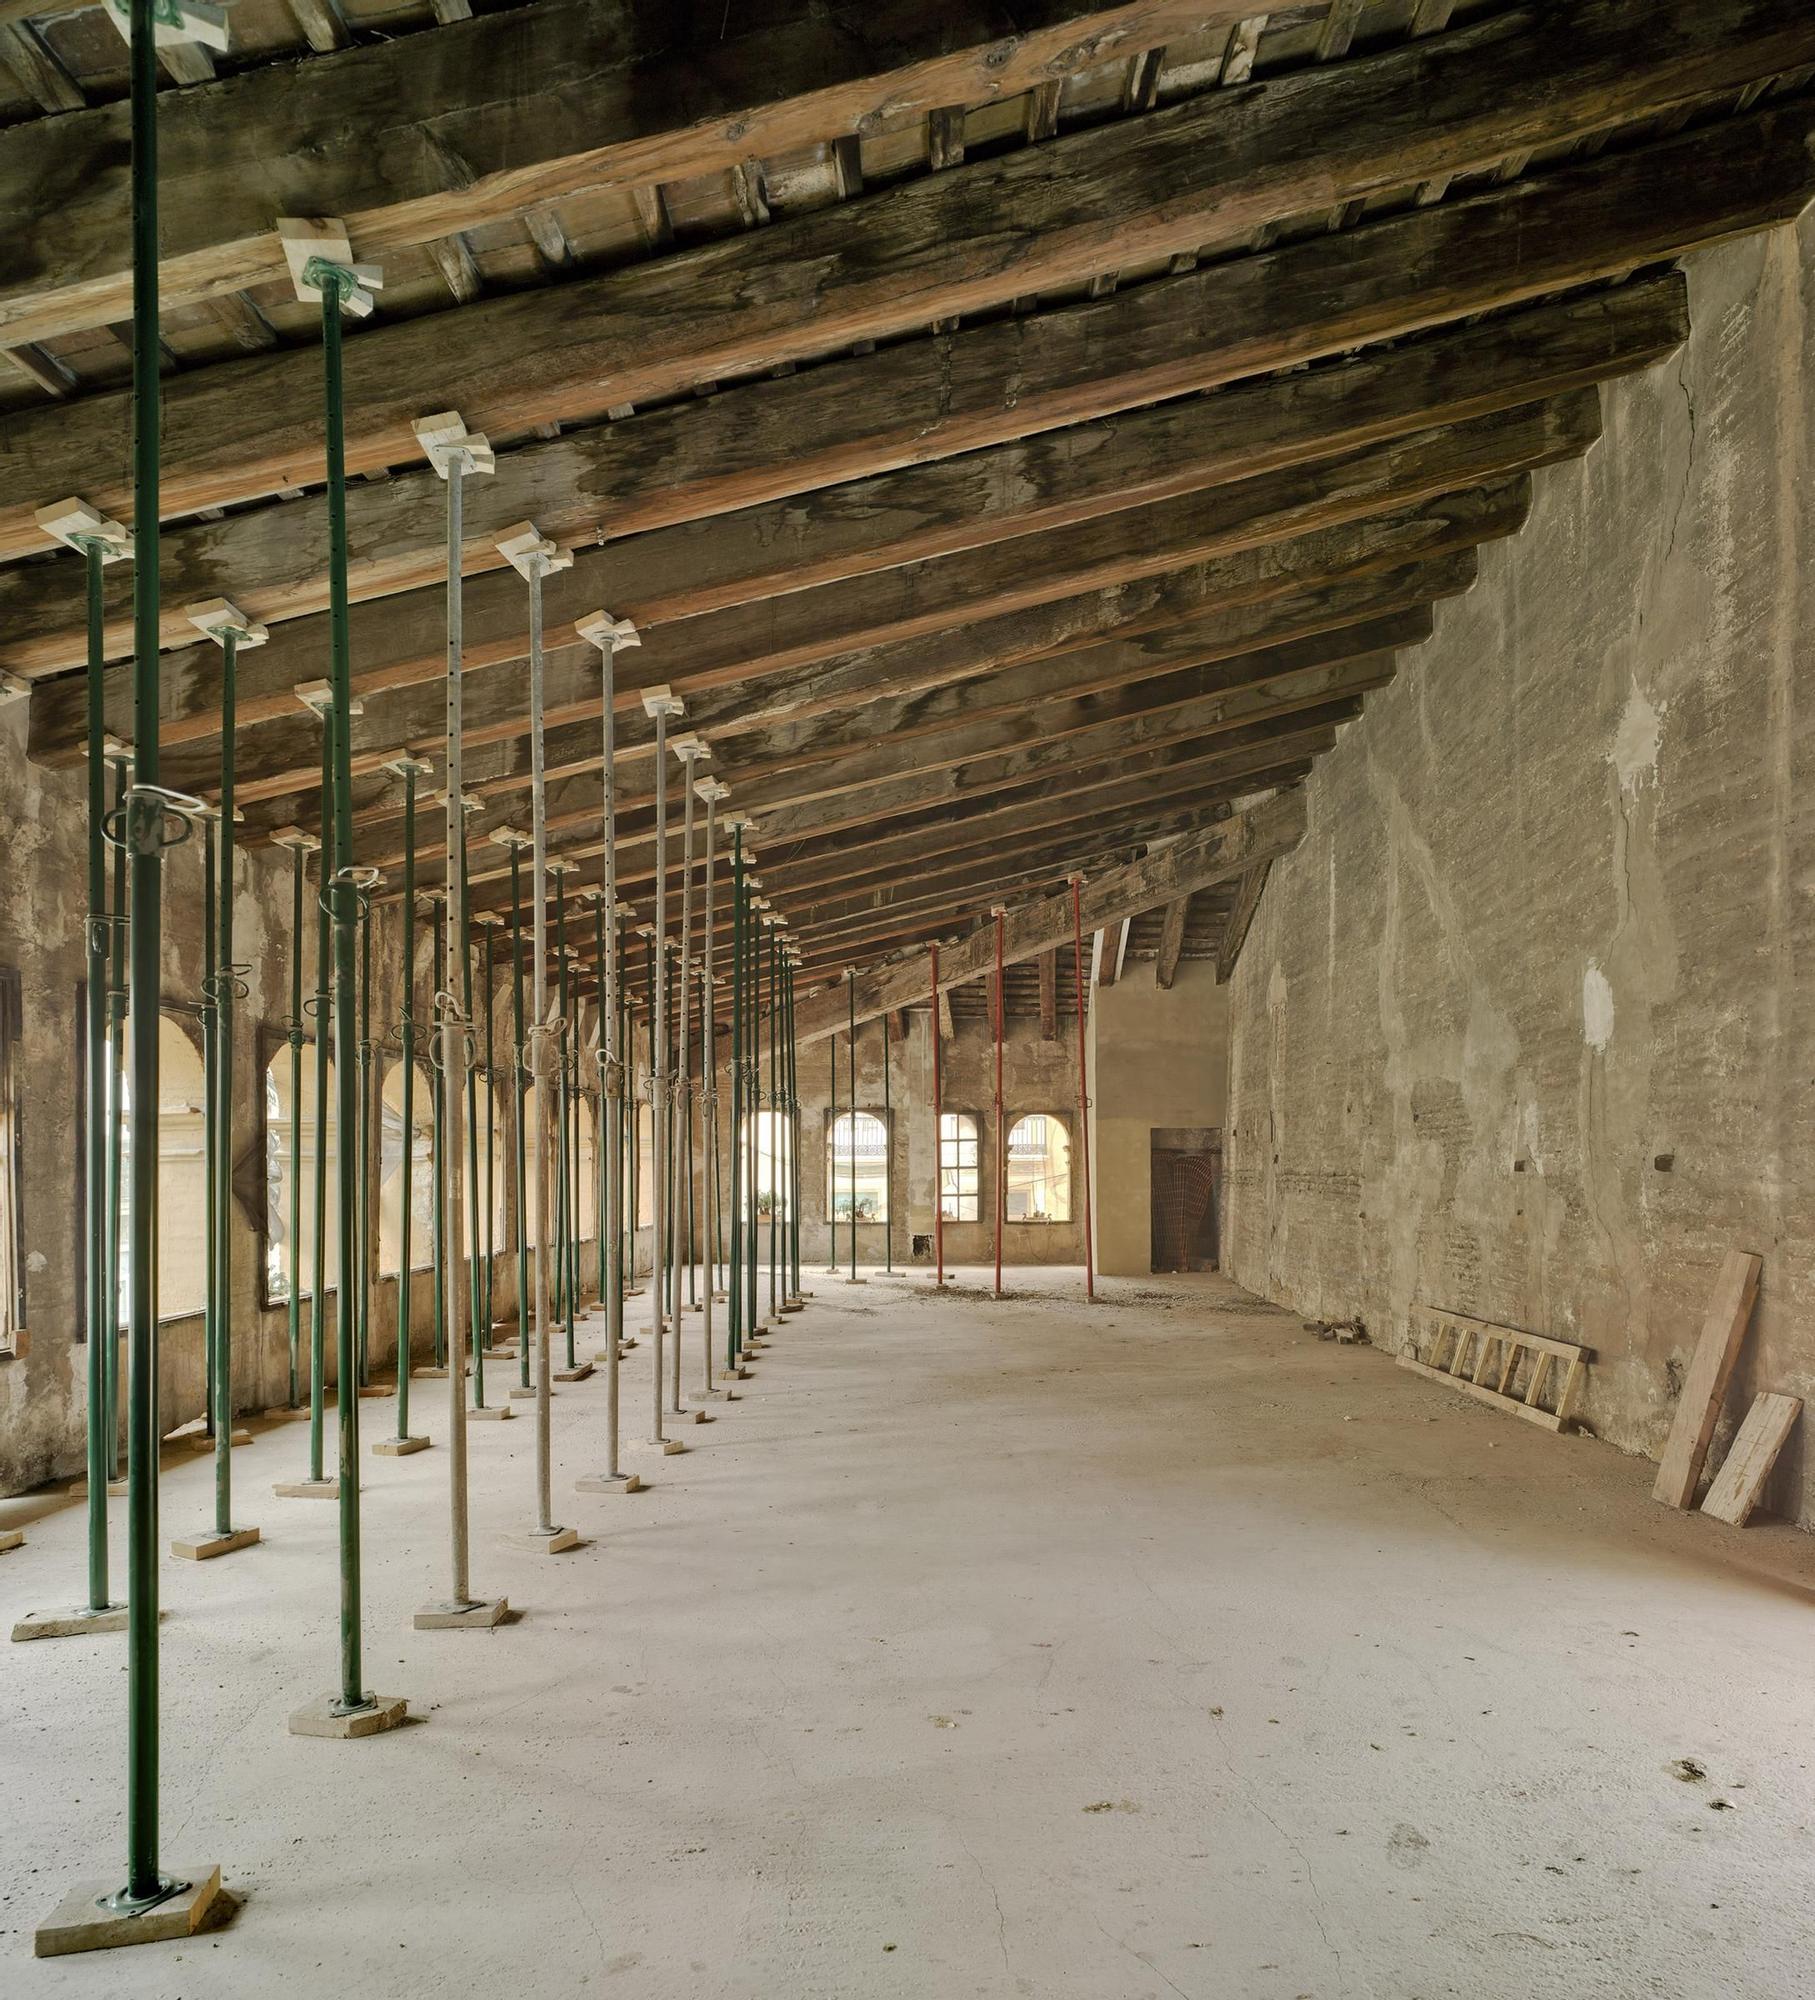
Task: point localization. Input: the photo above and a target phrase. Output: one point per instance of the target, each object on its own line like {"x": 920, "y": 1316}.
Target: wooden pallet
{"x": 1486, "y": 1360}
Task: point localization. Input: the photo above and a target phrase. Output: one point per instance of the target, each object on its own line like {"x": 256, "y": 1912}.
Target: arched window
{"x": 1037, "y": 1178}
{"x": 857, "y": 1161}
{"x": 283, "y": 1123}
{"x": 394, "y": 1178}
{"x": 958, "y": 1200}
{"x": 182, "y": 1200}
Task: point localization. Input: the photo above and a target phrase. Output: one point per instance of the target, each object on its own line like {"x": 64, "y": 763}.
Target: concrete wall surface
{"x": 1526, "y": 1027}
{"x": 1158, "y": 1058}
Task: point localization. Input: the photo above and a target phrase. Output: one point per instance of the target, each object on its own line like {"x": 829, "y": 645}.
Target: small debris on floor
{"x": 1688, "y": 1770}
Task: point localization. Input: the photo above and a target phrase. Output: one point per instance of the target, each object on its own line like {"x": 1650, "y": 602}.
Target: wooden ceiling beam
{"x": 1075, "y": 768}
{"x": 1038, "y": 698}
{"x": 1142, "y": 188}
{"x": 404, "y": 705}
{"x": 1225, "y": 695}
{"x": 916, "y": 513}
{"x": 1219, "y": 854}
{"x": 423, "y": 136}
{"x": 1047, "y": 737}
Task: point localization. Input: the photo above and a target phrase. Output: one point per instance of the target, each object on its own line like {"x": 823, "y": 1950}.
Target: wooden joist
{"x": 1217, "y": 855}
{"x": 579, "y": 486}
{"x": 977, "y": 235}
{"x": 801, "y": 628}
{"x": 1741, "y": 1479}
{"x": 1241, "y": 917}
{"x": 1705, "y": 1385}
{"x": 1172, "y": 942}
{"x": 1486, "y": 1360}
{"x": 423, "y": 136}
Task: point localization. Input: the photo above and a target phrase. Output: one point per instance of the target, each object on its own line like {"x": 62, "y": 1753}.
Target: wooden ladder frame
{"x": 1483, "y": 1359}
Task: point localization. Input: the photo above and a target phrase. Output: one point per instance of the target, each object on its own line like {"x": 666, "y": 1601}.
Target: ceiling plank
{"x": 322, "y": 24}
{"x": 495, "y": 116}
{"x": 1219, "y": 854}
{"x": 965, "y": 240}
{"x": 397, "y": 530}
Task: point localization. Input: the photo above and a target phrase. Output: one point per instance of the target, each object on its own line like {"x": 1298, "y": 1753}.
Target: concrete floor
{"x": 981, "y": 1649}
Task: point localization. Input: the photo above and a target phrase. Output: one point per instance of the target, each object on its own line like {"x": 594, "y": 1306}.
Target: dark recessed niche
{"x": 1665, "y": 1162}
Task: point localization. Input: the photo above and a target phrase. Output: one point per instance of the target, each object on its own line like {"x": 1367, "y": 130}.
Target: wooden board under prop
{"x": 1761, "y": 1437}
{"x": 1502, "y": 1366}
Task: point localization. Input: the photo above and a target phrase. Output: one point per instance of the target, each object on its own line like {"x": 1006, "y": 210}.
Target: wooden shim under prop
{"x": 1705, "y": 1388}
{"x": 1742, "y": 1478}
{"x": 1502, "y": 1366}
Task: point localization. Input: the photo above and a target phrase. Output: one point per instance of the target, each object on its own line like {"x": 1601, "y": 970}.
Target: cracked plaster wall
{"x": 1526, "y": 1026}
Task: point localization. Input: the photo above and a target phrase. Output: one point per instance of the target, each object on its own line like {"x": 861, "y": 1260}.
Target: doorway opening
{"x": 1186, "y": 1190}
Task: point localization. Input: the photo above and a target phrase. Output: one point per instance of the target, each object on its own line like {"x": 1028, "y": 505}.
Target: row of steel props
{"x": 123, "y": 1018}
{"x": 997, "y": 1030}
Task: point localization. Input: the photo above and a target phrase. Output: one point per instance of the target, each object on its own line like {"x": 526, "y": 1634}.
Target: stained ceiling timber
{"x": 1024, "y": 435}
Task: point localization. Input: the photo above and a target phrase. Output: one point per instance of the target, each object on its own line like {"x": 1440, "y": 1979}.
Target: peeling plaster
{"x": 1636, "y": 743}
{"x": 1597, "y": 1008}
